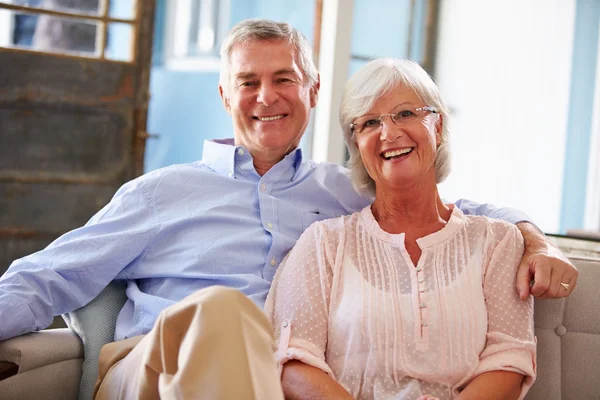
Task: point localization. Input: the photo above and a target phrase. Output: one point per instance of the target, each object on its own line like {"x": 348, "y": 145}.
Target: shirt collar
{"x": 220, "y": 156}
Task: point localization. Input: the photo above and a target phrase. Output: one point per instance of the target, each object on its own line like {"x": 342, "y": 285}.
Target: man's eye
{"x": 247, "y": 84}
{"x": 404, "y": 114}
{"x": 283, "y": 80}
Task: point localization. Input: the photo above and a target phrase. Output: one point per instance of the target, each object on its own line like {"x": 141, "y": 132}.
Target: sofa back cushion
{"x": 568, "y": 334}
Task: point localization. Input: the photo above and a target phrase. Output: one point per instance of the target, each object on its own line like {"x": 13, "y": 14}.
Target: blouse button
{"x": 423, "y": 305}
{"x": 285, "y": 324}
{"x": 420, "y": 280}
{"x": 423, "y": 324}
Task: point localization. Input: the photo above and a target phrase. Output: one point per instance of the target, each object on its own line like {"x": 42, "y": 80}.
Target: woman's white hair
{"x": 267, "y": 30}
{"x": 374, "y": 80}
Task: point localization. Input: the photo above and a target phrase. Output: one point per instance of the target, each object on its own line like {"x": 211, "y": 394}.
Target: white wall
{"x": 592, "y": 203}
{"x": 504, "y": 67}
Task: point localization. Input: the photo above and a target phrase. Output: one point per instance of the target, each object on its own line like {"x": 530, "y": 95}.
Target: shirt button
{"x": 422, "y": 290}
{"x": 273, "y": 262}
{"x": 230, "y": 174}
{"x": 419, "y": 269}
{"x": 241, "y": 152}
{"x": 420, "y": 280}
{"x": 285, "y": 324}
{"x": 423, "y": 305}
{"x": 270, "y": 225}
{"x": 423, "y": 324}
{"x": 263, "y": 187}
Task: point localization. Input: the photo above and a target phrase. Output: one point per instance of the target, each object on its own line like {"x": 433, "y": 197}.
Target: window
{"x": 195, "y": 31}
{"x": 101, "y": 29}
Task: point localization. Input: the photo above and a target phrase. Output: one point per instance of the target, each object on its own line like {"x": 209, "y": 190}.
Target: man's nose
{"x": 267, "y": 94}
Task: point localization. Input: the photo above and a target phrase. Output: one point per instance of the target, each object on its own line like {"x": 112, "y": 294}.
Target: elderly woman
{"x": 408, "y": 298}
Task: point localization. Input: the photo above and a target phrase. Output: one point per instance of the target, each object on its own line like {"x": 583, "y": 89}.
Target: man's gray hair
{"x": 267, "y": 30}
{"x": 374, "y": 80}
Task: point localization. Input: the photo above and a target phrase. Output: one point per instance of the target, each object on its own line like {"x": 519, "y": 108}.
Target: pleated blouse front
{"x": 349, "y": 300}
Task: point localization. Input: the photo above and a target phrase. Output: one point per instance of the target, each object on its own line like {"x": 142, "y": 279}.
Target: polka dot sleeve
{"x": 510, "y": 342}
{"x": 298, "y": 303}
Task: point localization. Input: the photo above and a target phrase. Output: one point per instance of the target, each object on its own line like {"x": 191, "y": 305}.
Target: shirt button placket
{"x": 422, "y": 304}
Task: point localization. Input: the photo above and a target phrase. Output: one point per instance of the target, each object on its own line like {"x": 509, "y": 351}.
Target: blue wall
{"x": 380, "y": 28}
{"x": 579, "y": 130}
{"x": 185, "y": 107}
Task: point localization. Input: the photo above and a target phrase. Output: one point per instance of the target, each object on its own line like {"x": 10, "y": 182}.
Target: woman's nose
{"x": 390, "y": 131}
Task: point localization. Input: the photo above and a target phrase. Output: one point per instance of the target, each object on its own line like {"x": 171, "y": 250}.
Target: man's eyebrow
{"x": 284, "y": 71}
{"x": 244, "y": 75}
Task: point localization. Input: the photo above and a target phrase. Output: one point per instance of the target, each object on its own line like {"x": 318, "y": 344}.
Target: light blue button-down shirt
{"x": 183, "y": 228}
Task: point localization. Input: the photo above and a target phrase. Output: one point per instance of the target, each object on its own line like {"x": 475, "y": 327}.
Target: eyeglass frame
{"x": 392, "y": 115}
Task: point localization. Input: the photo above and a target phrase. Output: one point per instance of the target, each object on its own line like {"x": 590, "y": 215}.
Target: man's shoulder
{"x": 173, "y": 173}
{"x": 327, "y": 167}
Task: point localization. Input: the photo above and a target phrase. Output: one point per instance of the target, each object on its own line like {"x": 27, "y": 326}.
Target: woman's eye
{"x": 405, "y": 114}
{"x": 370, "y": 123}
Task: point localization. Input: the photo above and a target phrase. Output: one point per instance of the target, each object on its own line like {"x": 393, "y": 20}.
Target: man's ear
{"x": 314, "y": 92}
{"x": 225, "y": 99}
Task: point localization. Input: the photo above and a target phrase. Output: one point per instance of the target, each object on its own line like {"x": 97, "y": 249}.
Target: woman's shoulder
{"x": 490, "y": 227}
{"x": 333, "y": 227}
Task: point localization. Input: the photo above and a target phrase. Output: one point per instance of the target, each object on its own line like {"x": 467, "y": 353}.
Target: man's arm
{"x": 546, "y": 265}
{"x": 542, "y": 262}
{"x": 74, "y": 268}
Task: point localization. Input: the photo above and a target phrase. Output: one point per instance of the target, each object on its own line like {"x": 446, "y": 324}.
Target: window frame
{"x": 176, "y": 32}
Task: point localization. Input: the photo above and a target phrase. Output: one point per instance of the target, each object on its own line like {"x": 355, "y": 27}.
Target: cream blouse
{"x": 349, "y": 300}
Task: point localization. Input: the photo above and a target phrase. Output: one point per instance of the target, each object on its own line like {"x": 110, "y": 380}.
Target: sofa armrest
{"x": 38, "y": 349}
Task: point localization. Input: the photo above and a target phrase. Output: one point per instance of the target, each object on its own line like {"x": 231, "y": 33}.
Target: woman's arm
{"x": 298, "y": 306}
{"x": 494, "y": 385}
{"x": 304, "y": 382}
{"x": 506, "y": 366}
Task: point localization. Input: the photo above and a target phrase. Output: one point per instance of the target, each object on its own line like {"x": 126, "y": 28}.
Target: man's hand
{"x": 546, "y": 265}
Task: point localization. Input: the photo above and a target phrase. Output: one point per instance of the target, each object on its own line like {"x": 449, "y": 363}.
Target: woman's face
{"x": 401, "y": 153}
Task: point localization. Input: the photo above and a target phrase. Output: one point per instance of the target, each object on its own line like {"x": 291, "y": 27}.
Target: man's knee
{"x": 217, "y": 299}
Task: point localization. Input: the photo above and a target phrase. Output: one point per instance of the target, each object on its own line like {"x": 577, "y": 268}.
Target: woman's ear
{"x": 439, "y": 126}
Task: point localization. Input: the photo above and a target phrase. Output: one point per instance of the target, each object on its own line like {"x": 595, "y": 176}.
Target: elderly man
{"x": 178, "y": 236}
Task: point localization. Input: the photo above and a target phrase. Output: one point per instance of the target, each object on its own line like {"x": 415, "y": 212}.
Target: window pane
{"x": 74, "y": 6}
{"x": 47, "y": 33}
{"x": 122, "y": 9}
{"x": 119, "y": 42}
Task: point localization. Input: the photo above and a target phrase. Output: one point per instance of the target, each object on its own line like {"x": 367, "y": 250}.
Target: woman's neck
{"x": 410, "y": 209}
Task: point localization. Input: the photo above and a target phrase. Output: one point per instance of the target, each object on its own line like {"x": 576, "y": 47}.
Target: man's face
{"x": 268, "y": 97}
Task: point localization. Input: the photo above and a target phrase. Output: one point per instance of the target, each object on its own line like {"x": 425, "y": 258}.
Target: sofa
{"x": 62, "y": 363}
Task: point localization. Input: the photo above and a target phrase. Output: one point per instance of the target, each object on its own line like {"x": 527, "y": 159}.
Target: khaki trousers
{"x": 214, "y": 344}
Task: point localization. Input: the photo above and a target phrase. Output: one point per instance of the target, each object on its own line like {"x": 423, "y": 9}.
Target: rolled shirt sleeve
{"x": 298, "y": 303}
{"x": 510, "y": 344}
{"x": 74, "y": 269}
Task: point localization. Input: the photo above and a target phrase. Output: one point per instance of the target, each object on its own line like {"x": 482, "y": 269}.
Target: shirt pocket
{"x": 310, "y": 217}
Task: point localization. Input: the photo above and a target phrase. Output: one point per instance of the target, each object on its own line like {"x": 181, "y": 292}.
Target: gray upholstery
{"x": 95, "y": 325}
{"x": 568, "y": 334}
{"x": 567, "y": 330}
